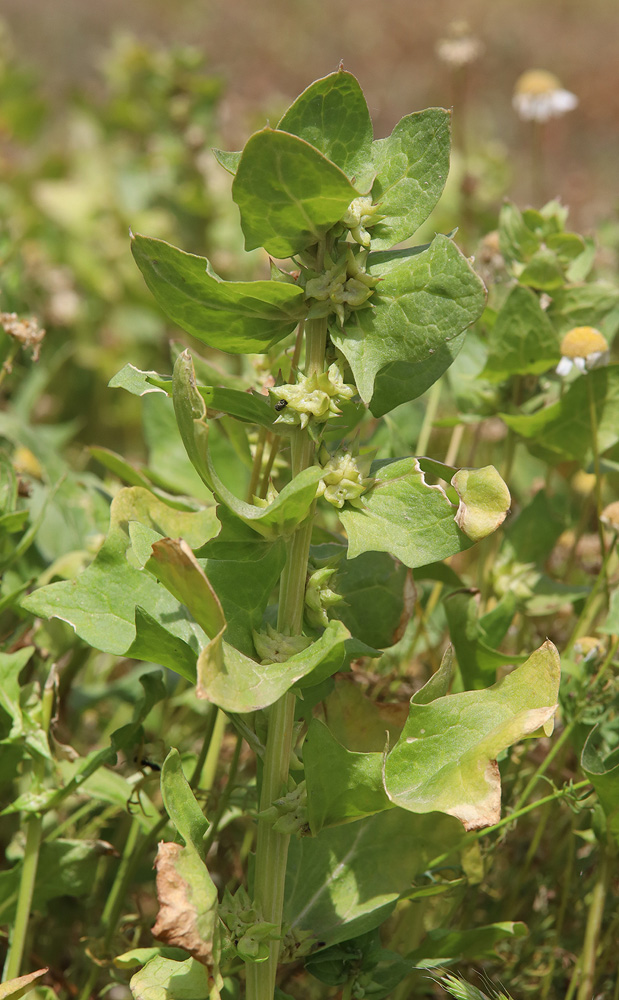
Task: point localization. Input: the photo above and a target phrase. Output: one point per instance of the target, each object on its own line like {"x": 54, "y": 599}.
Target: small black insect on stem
{"x": 280, "y": 404}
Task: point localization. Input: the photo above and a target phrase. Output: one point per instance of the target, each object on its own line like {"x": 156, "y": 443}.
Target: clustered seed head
{"x": 26, "y": 331}
{"x": 538, "y": 96}
{"x": 341, "y": 480}
{"x": 319, "y": 597}
{"x": 314, "y": 397}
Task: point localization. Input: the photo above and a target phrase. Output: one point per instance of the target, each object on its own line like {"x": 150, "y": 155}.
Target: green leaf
{"x": 585, "y": 305}
{"x": 400, "y": 381}
{"x": 135, "y": 381}
{"x": 523, "y": 340}
{"x": 284, "y": 514}
{"x": 187, "y": 895}
{"x": 228, "y": 160}
{"x": 288, "y": 194}
{"x": 600, "y": 762}
{"x": 411, "y": 169}
{"x": 484, "y": 501}
{"x": 241, "y": 317}
{"x": 180, "y": 803}
{"x": 402, "y": 515}
{"x": 445, "y": 759}
{"x": 348, "y": 880}
{"x": 165, "y": 979}
{"x": 238, "y": 684}
{"x": 332, "y": 115}
{"x": 102, "y": 604}
{"x": 542, "y": 272}
{"x": 417, "y": 307}
{"x": 360, "y": 724}
{"x": 13, "y": 989}
{"x": 563, "y": 429}
{"x": 342, "y": 786}
{"x": 375, "y": 592}
{"x": 443, "y": 945}
{"x": 243, "y": 569}
{"x": 517, "y": 241}
{"x": 478, "y": 662}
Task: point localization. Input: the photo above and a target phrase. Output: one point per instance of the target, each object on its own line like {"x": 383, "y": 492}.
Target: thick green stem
{"x": 272, "y": 847}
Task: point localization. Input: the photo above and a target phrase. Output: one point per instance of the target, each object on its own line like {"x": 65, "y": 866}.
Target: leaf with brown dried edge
{"x": 445, "y": 759}
{"x": 187, "y": 902}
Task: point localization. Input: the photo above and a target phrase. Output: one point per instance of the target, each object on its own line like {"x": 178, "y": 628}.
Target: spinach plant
{"x": 334, "y": 528}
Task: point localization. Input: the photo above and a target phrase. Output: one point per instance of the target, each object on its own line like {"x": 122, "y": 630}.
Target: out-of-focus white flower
{"x": 584, "y": 348}
{"x": 538, "y": 96}
{"x": 460, "y": 47}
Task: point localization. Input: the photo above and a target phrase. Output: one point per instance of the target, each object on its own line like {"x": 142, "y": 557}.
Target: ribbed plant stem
{"x": 272, "y": 847}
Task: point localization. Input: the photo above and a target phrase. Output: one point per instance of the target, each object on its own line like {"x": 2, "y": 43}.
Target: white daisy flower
{"x": 538, "y": 96}
{"x": 584, "y": 348}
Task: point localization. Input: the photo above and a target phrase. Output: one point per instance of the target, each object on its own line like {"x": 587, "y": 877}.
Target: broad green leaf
{"x": 238, "y": 684}
{"x": 478, "y": 662}
{"x": 288, "y": 194}
{"x": 359, "y": 723}
{"x": 611, "y": 623}
{"x": 241, "y": 317}
{"x": 418, "y": 306}
{"x": 243, "y": 568}
{"x": 517, "y": 241}
{"x": 375, "y": 591}
{"x": 13, "y": 989}
{"x": 542, "y": 272}
{"x": 284, "y": 514}
{"x": 484, "y": 501}
{"x": 332, "y": 115}
{"x": 342, "y": 786}
{"x": 534, "y": 531}
{"x": 445, "y": 759}
{"x": 136, "y": 381}
{"x": 165, "y": 979}
{"x": 180, "y": 803}
{"x": 523, "y": 340}
{"x": 348, "y": 880}
{"x": 400, "y": 381}
{"x": 585, "y": 305}
{"x": 442, "y": 946}
{"x": 402, "y": 515}
{"x": 102, "y": 604}
{"x": 563, "y": 429}
{"x": 140, "y": 956}
{"x": 600, "y": 762}
{"x": 169, "y": 467}
{"x": 411, "y": 169}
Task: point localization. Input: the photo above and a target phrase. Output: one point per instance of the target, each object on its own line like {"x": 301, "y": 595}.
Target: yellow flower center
{"x": 537, "y": 81}
{"x": 583, "y": 341}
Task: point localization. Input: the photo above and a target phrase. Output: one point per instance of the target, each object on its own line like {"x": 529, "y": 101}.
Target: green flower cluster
{"x": 342, "y": 480}
{"x": 274, "y": 647}
{"x": 319, "y": 597}
{"x": 343, "y": 285}
{"x": 312, "y": 398}
{"x": 288, "y": 815}
{"x": 249, "y": 933}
